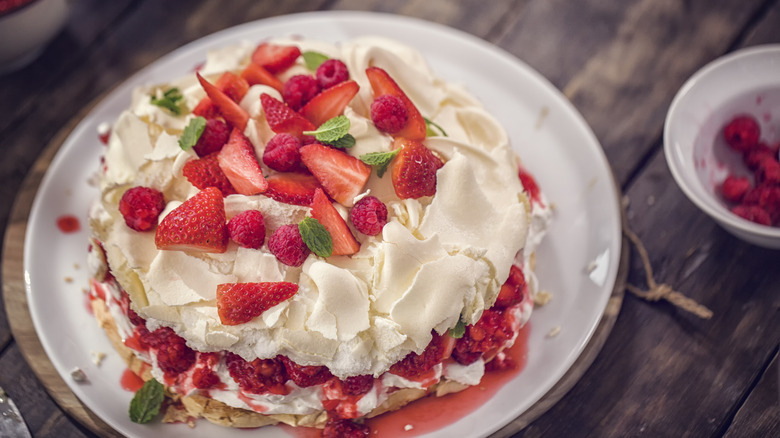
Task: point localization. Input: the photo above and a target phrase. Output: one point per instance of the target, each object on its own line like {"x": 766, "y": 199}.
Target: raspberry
{"x": 281, "y": 152}
{"x": 331, "y": 72}
{"x": 204, "y": 378}
{"x": 215, "y": 135}
{"x": 414, "y": 365}
{"x": 344, "y": 429}
{"x": 259, "y": 376}
{"x": 752, "y": 213}
{"x": 389, "y": 113}
{"x": 357, "y": 385}
{"x": 500, "y": 362}
{"x": 756, "y": 155}
{"x": 173, "y": 354}
{"x": 742, "y": 133}
{"x": 298, "y": 90}
{"x": 734, "y": 188}
{"x": 767, "y": 198}
{"x": 305, "y": 376}
{"x": 768, "y": 171}
{"x": 488, "y": 335}
{"x": 369, "y": 215}
{"x": 141, "y": 206}
{"x": 287, "y": 245}
{"x": 135, "y": 319}
{"x": 247, "y": 229}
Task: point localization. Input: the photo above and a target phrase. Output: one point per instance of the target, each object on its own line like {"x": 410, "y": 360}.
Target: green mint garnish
{"x": 147, "y": 401}
{"x": 313, "y": 59}
{"x": 380, "y": 160}
{"x": 192, "y": 133}
{"x": 334, "y": 132}
{"x": 430, "y": 124}
{"x": 316, "y": 237}
{"x": 459, "y": 330}
{"x": 171, "y": 100}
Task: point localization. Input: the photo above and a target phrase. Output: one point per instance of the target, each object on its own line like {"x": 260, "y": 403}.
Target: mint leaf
{"x": 380, "y": 160}
{"x": 430, "y": 124}
{"x": 192, "y": 133}
{"x": 147, "y": 401}
{"x": 313, "y": 59}
{"x": 171, "y": 100}
{"x": 344, "y": 142}
{"x": 332, "y": 130}
{"x": 459, "y": 330}
{"x": 316, "y": 237}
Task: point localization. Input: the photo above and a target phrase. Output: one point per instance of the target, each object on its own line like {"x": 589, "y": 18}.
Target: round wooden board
{"x": 24, "y": 332}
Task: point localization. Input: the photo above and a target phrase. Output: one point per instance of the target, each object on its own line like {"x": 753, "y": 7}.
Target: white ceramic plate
{"x": 578, "y": 262}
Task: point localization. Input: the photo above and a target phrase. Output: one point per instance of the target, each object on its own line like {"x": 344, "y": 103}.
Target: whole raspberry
{"x": 742, "y": 133}
{"x": 768, "y": 171}
{"x": 331, "y": 72}
{"x": 259, "y": 376}
{"x": 141, "y": 206}
{"x": 389, "y": 113}
{"x": 287, "y": 245}
{"x": 299, "y": 89}
{"x": 369, "y": 215}
{"x": 173, "y": 354}
{"x": 215, "y": 135}
{"x": 204, "y": 378}
{"x": 281, "y": 152}
{"x": 753, "y": 157}
{"x": 336, "y": 428}
{"x": 414, "y": 365}
{"x": 247, "y": 229}
{"x": 489, "y": 334}
{"x": 357, "y": 385}
{"x": 752, "y": 213}
{"x": 305, "y": 376}
{"x": 734, "y": 188}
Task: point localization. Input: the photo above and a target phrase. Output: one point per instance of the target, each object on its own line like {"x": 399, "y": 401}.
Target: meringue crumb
{"x": 542, "y": 297}
{"x": 76, "y": 266}
{"x": 408, "y": 427}
{"x": 97, "y": 357}
{"x": 68, "y": 279}
{"x": 650, "y": 200}
{"x": 554, "y": 332}
{"x": 103, "y": 128}
{"x": 77, "y": 374}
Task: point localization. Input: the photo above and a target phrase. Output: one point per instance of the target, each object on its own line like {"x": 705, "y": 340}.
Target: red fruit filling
{"x": 335, "y": 428}
{"x": 258, "y": 376}
{"x": 486, "y": 337}
{"x": 173, "y": 354}
{"x": 357, "y": 385}
{"x": 369, "y": 215}
{"x": 331, "y": 72}
{"x": 742, "y": 133}
{"x": 140, "y": 207}
{"x": 415, "y": 365}
{"x": 287, "y": 245}
{"x": 281, "y": 152}
{"x": 305, "y": 376}
{"x": 389, "y": 113}
{"x": 247, "y": 229}
{"x": 299, "y": 90}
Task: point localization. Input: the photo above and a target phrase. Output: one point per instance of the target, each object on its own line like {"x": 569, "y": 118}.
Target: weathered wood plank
{"x": 759, "y": 415}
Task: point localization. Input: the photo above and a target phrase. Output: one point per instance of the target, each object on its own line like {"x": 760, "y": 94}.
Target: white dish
{"x": 554, "y": 141}
{"x": 743, "y": 82}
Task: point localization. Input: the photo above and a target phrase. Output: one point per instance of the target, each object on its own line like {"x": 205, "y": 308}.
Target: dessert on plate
{"x": 312, "y": 234}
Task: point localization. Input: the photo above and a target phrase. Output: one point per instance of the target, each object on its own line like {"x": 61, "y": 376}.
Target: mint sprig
{"x": 430, "y": 124}
{"x": 313, "y": 59}
{"x": 380, "y": 160}
{"x": 334, "y": 132}
{"x": 459, "y": 330}
{"x": 316, "y": 237}
{"x": 147, "y": 401}
{"x": 170, "y": 100}
{"x": 192, "y": 132}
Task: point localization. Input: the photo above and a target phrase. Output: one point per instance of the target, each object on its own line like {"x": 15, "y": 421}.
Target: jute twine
{"x": 657, "y": 292}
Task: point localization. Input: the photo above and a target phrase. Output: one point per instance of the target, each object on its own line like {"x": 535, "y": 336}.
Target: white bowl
{"x": 744, "y": 82}
{"x": 25, "y": 32}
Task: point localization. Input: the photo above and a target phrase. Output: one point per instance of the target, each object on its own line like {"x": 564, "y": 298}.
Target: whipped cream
{"x": 438, "y": 260}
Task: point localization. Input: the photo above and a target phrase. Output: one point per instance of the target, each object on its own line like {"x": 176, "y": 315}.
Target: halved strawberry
{"x": 205, "y": 172}
{"x": 513, "y": 289}
{"x": 233, "y": 85}
{"x": 414, "y": 169}
{"x": 230, "y": 110}
{"x": 283, "y": 119}
{"x": 196, "y": 225}
{"x": 257, "y": 75}
{"x": 330, "y": 103}
{"x": 341, "y": 175}
{"x": 237, "y": 159}
{"x": 274, "y": 57}
{"x": 292, "y": 188}
{"x": 344, "y": 242}
{"x": 238, "y": 303}
{"x": 381, "y": 84}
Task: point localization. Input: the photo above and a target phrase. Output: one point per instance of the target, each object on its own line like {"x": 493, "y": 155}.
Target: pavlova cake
{"x": 312, "y": 234}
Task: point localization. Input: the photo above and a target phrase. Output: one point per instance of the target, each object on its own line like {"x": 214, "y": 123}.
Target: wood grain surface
{"x": 661, "y": 371}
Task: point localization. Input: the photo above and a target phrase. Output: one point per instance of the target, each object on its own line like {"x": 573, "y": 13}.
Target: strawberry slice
{"x": 344, "y": 242}
{"x": 238, "y": 303}
{"x": 206, "y": 109}
{"x": 330, "y": 102}
{"x": 275, "y": 58}
{"x": 257, "y": 75}
{"x": 283, "y": 119}
{"x": 381, "y": 84}
{"x": 292, "y": 188}
{"x": 233, "y": 85}
{"x": 239, "y": 163}
{"x": 230, "y": 110}
{"x": 341, "y": 175}
{"x": 205, "y": 172}
{"x": 414, "y": 169}
{"x": 197, "y": 225}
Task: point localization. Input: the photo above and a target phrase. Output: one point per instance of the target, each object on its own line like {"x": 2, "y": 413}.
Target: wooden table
{"x": 662, "y": 371}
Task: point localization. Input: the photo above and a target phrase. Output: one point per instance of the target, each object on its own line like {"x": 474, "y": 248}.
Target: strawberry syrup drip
{"x": 130, "y": 381}
{"x": 68, "y": 223}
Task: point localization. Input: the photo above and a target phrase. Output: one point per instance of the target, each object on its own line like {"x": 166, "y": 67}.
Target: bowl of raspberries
{"x": 722, "y": 142}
